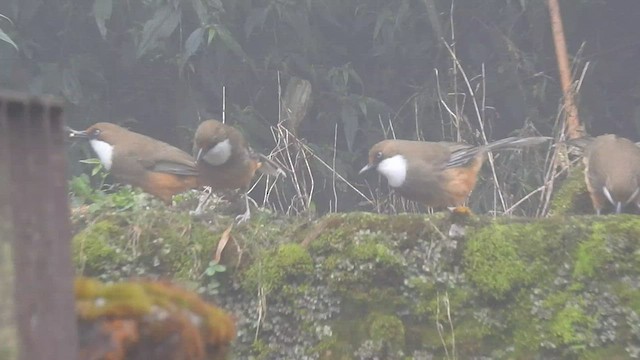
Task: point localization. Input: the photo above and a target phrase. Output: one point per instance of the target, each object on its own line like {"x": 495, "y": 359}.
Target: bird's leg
{"x": 202, "y": 202}
{"x": 247, "y": 213}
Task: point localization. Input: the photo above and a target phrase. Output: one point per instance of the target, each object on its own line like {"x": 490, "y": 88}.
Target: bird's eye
{"x": 379, "y": 155}
{"x": 95, "y": 133}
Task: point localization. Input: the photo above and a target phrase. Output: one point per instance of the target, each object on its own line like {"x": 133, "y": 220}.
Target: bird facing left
{"x": 156, "y": 167}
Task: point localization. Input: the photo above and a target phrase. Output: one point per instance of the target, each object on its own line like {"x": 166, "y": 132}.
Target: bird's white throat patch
{"x": 394, "y": 169}
{"x": 218, "y": 154}
{"x": 104, "y": 151}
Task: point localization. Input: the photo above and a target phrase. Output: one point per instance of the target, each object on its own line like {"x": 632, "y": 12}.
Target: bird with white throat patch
{"x": 226, "y": 161}
{"x": 436, "y": 174}
{"x": 154, "y": 166}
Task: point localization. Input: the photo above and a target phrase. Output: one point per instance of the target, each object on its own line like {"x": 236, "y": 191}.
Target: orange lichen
{"x": 150, "y": 319}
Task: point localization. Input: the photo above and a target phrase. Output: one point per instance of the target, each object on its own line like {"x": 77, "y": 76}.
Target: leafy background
{"x": 162, "y": 66}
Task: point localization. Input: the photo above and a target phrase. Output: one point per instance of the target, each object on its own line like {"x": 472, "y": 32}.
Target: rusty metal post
{"x": 33, "y": 138}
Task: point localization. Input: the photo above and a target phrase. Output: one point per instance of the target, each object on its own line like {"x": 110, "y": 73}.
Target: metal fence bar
{"x": 44, "y": 301}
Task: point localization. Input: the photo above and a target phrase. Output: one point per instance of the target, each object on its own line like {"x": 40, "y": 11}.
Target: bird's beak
{"x": 75, "y": 134}
{"x": 199, "y": 155}
{"x": 365, "y": 169}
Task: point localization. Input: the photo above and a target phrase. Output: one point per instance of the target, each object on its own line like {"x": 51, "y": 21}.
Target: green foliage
{"x": 98, "y": 201}
{"x": 97, "y": 169}
{"x": 210, "y": 281}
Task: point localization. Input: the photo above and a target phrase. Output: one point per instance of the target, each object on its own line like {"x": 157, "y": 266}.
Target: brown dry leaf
{"x": 224, "y": 239}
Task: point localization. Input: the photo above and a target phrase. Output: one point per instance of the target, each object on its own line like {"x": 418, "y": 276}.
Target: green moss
{"x": 365, "y": 269}
{"x": 572, "y": 197}
{"x": 570, "y": 325}
{"x": 592, "y": 253}
{"x": 526, "y": 329}
{"x": 500, "y": 258}
{"x": 338, "y": 230}
{"x": 93, "y": 248}
{"x": 539, "y": 270}
{"x": 277, "y": 268}
{"x": 493, "y": 263}
{"x": 387, "y": 328}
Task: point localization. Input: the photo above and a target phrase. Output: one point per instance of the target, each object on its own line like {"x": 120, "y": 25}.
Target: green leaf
{"x": 4, "y": 37}
{"x": 193, "y": 42}
{"x": 92, "y": 161}
{"x": 349, "y": 117}
{"x": 220, "y": 268}
{"x": 95, "y": 171}
{"x": 212, "y": 34}
{"x": 363, "y": 106}
{"x": 160, "y": 26}
{"x": 102, "y": 12}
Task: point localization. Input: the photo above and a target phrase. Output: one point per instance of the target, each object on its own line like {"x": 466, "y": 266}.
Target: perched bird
{"x": 156, "y": 167}
{"x": 612, "y": 171}
{"x": 437, "y": 174}
{"x": 226, "y": 161}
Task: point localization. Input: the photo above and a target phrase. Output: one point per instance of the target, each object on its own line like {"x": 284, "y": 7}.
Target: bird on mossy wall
{"x": 156, "y": 167}
{"x": 612, "y": 172}
{"x": 223, "y": 160}
{"x": 226, "y": 161}
{"x": 436, "y": 174}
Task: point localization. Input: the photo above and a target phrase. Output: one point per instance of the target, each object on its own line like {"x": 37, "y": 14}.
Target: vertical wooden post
{"x": 43, "y": 283}
{"x": 572, "y": 121}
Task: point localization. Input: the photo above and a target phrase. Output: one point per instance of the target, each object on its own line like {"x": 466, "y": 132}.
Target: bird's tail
{"x": 270, "y": 167}
{"x": 581, "y": 142}
{"x": 462, "y": 156}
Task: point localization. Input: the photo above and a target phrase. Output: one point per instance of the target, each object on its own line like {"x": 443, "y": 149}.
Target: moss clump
{"x": 93, "y": 247}
{"x": 275, "y": 269}
{"x": 139, "y": 317}
{"x": 493, "y": 262}
{"x": 388, "y": 329}
{"x": 571, "y": 325}
{"x": 365, "y": 268}
{"x": 592, "y": 253}
{"x": 116, "y": 300}
{"x": 572, "y": 197}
